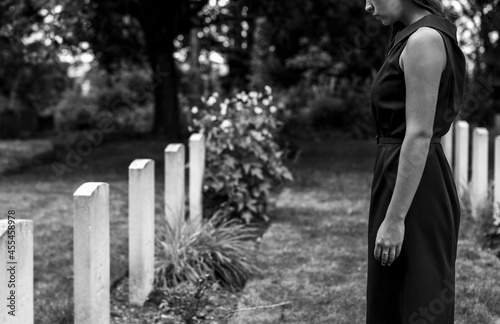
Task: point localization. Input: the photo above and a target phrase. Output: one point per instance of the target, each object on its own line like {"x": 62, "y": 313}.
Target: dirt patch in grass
{"x": 219, "y": 308}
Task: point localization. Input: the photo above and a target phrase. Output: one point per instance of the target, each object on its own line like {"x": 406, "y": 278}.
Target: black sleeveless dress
{"x": 419, "y": 286}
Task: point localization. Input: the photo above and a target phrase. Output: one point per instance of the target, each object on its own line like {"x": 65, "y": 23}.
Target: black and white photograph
{"x": 249, "y": 162}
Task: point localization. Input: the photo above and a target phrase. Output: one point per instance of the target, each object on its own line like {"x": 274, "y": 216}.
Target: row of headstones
{"x": 456, "y": 145}
{"x": 92, "y": 238}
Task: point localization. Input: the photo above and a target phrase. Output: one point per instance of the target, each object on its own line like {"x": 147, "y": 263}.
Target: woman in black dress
{"x": 414, "y": 209}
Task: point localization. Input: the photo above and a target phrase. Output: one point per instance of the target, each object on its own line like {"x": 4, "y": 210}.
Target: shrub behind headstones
{"x": 243, "y": 159}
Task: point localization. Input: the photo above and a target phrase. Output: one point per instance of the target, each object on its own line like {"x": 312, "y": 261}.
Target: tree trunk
{"x": 167, "y": 120}
{"x": 161, "y": 22}
{"x": 13, "y": 92}
{"x": 194, "y": 60}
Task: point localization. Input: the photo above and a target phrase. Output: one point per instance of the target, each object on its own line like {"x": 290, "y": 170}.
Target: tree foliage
{"x": 340, "y": 34}
{"x": 480, "y": 25}
{"x": 31, "y": 74}
{"x": 297, "y": 42}
{"x": 142, "y": 32}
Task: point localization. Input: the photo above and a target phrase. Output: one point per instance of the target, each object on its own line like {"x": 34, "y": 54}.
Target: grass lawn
{"x": 313, "y": 256}
{"x": 17, "y": 154}
{"x": 314, "y": 253}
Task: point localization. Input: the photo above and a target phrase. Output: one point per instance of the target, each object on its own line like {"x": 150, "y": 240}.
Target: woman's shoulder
{"x": 434, "y": 22}
{"x": 425, "y": 46}
{"x": 425, "y": 37}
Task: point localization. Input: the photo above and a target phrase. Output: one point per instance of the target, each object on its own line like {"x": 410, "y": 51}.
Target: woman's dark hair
{"x": 433, "y": 6}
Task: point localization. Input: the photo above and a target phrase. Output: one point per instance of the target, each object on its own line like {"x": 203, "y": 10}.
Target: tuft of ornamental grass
{"x": 220, "y": 249}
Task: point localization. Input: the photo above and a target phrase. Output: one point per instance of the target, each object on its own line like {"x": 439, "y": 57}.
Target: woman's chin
{"x": 385, "y": 21}
{"x": 382, "y": 20}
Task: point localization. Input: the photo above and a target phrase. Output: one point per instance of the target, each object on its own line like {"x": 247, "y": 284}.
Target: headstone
{"x": 175, "y": 167}
{"x": 447, "y": 143}
{"x": 496, "y": 189}
{"x": 16, "y": 274}
{"x": 196, "y": 172}
{"x": 479, "y": 174}
{"x": 461, "y": 158}
{"x": 141, "y": 215}
{"x": 91, "y": 253}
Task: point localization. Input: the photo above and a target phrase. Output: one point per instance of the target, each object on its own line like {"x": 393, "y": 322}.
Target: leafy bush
{"x": 221, "y": 248}
{"x": 332, "y": 104}
{"x": 327, "y": 113}
{"x": 489, "y": 224}
{"x": 126, "y": 99}
{"x": 484, "y": 229}
{"x": 483, "y": 115}
{"x": 243, "y": 159}
{"x": 75, "y": 111}
{"x": 358, "y": 118}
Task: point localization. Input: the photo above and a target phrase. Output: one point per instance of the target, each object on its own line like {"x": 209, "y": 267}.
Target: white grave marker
{"x": 496, "y": 191}
{"x": 141, "y": 213}
{"x": 16, "y": 275}
{"x": 196, "y": 171}
{"x": 91, "y": 253}
{"x": 479, "y": 180}
{"x": 461, "y": 160}
{"x": 175, "y": 166}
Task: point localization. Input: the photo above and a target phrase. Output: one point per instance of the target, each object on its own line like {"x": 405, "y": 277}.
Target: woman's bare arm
{"x": 423, "y": 60}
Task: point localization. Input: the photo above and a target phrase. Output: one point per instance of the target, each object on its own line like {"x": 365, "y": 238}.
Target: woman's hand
{"x": 389, "y": 240}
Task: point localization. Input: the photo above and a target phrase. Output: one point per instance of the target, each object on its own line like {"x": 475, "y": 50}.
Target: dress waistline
{"x": 395, "y": 140}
